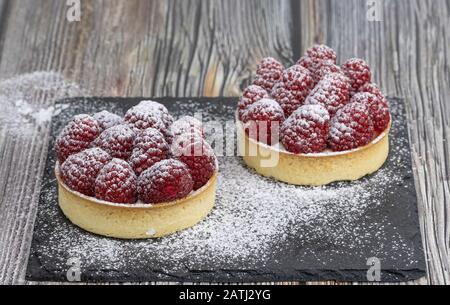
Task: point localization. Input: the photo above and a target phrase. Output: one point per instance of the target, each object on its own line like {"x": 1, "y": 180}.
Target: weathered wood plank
{"x": 194, "y": 48}
{"x": 409, "y": 54}
{"x": 152, "y": 48}
{"x": 137, "y": 47}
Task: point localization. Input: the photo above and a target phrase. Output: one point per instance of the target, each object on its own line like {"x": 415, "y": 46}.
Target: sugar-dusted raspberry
{"x": 76, "y": 136}
{"x": 351, "y": 127}
{"x": 378, "y": 108}
{"x": 199, "y": 157}
{"x": 165, "y": 181}
{"x": 117, "y": 141}
{"x": 251, "y": 95}
{"x": 184, "y": 140}
{"x": 268, "y": 73}
{"x": 107, "y": 119}
{"x": 116, "y": 182}
{"x": 299, "y": 68}
{"x": 150, "y": 147}
{"x": 372, "y": 88}
{"x": 306, "y": 130}
{"x": 358, "y": 71}
{"x": 315, "y": 55}
{"x": 332, "y": 92}
{"x": 80, "y": 170}
{"x": 293, "y": 90}
{"x": 187, "y": 124}
{"x": 324, "y": 68}
{"x": 160, "y": 110}
{"x": 263, "y": 120}
{"x": 140, "y": 118}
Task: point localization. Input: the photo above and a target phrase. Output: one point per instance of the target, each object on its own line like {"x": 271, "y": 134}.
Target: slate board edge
{"x": 222, "y": 275}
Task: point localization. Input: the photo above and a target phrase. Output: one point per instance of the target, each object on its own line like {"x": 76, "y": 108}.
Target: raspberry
{"x": 315, "y": 56}
{"x": 251, "y": 95}
{"x": 200, "y": 159}
{"x": 358, "y": 71}
{"x": 293, "y": 90}
{"x": 184, "y": 140}
{"x": 187, "y": 124}
{"x": 306, "y": 130}
{"x": 324, "y": 68}
{"x": 332, "y": 92}
{"x": 378, "y": 108}
{"x": 299, "y": 68}
{"x": 150, "y": 147}
{"x": 268, "y": 73}
{"x": 165, "y": 181}
{"x": 76, "y": 136}
{"x": 160, "y": 110}
{"x": 117, "y": 141}
{"x": 351, "y": 128}
{"x": 80, "y": 170}
{"x": 116, "y": 183}
{"x": 374, "y": 89}
{"x": 141, "y": 117}
{"x": 107, "y": 119}
{"x": 263, "y": 120}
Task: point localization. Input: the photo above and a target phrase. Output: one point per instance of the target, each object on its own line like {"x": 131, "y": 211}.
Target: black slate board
{"x": 395, "y": 218}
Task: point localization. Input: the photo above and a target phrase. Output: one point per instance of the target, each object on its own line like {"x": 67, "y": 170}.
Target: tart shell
{"x": 313, "y": 169}
{"x": 135, "y": 221}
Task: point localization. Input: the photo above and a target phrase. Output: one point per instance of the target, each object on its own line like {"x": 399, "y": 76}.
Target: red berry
{"x": 324, "y": 68}
{"x": 116, "y": 182}
{"x": 378, "y": 107}
{"x": 140, "y": 118}
{"x": 80, "y": 170}
{"x": 351, "y": 128}
{"x": 251, "y": 95}
{"x": 372, "y": 88}
{"x": 150, "y": 147}
{"x": 200, "y": 159}
{"x": 263, "y": 120}
{"x": 76, "y": 136}
{"x": 184, "y": 140}
{"x": 293, "y": 90}
{"x": 332, "y": 92}
{"x": 160, "y": 111}
{"x": 187, "y": 124}
{"x": 107, "y": 119}
{"x": 306, "y": 130}
{"x": 299, "y": 68}
{"x": 165, "y": 181}
{"x": 268, "y": 73}
{"x": 315, "y": 56}
{"x": 358, "y": 71}
{"x": 117, "y": 141}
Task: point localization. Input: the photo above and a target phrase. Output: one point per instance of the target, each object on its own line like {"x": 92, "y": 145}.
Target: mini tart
{"x": 313, "y": 169}
{"x": 135, "y": 221}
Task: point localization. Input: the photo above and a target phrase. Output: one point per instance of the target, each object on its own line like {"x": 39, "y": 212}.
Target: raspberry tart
{"x": 140, "y": 176}
{"x": 314, "y": 123}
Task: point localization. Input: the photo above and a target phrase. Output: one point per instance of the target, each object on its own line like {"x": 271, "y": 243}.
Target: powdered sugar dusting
{"x": 27, "y": 100}
{"x": 256, "y": 223}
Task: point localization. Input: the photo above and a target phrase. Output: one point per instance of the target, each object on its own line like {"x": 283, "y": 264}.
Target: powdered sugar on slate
{"x": 254, "y": 219}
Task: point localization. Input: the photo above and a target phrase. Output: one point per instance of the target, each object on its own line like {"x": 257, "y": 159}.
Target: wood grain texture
{"x": 210, "y": 48}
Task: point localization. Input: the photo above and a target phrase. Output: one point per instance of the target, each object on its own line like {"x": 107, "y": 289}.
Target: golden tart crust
{"x": 136, "y": 221}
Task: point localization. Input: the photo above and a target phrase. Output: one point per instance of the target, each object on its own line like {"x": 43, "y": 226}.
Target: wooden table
{"x": 210, "y": 48}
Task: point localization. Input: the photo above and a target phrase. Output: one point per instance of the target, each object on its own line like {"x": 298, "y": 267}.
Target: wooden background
{"x": 210, "y": 48}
